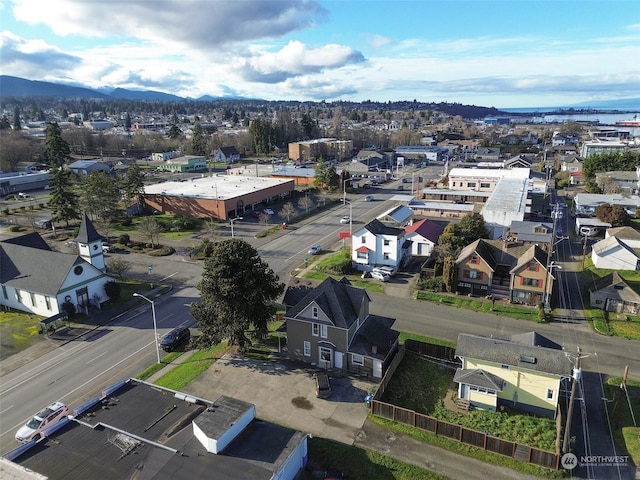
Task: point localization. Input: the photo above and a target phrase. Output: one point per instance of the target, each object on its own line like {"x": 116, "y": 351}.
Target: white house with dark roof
{"x": 379, "y": 244}
{"x": 227, "y": 154}
{"x": 38, "y": 280}
{"x": 526, "y": 371}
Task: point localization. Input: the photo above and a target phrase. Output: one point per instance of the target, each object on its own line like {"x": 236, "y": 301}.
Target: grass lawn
{"x": 362, "y": 464}
{"x": 625, "y": 434}
{"x": 262, "y": 349}
{"x": 480, "y": 305}
{"x": 180, "y": 376}
{"x": 156, "y": 367}
{"x": 18, "y": 330}
{"x": 421, "y": 385}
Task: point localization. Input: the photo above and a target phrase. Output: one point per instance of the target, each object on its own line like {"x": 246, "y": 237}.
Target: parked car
{"x": 405, "y": 180}
{"x": 323, "y": 385}
{"x": 255, "y": 214}
{"x": 386, "y": 269}
{"x": 369, "y": 198}
{"x": 23, "y": 195}
{"x": 400, "y": 187}
{"x": 43, "y": 223}
{"x": 108, "y": 248}
{"x": 48, "y": 187}
{"x": 383, "y": 277}
{"x": 268, "y": 211}
{"x": 315, "y": 249}
{"x": 345, "y": 219}
{"x": 175, "y": 338}
{"x": 32, "y": 430}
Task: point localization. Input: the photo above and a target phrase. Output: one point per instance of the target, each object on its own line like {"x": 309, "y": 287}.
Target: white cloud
{"x": 198, "y": 23}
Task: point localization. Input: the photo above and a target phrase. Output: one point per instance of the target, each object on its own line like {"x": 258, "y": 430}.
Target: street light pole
{"x": 232, "y": 220}
{"x": 155, "y": 324}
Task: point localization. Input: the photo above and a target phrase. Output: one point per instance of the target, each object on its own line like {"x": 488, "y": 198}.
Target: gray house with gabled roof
{"x": 331, "y": 327}
{"x": 38, "y": 280}
{"x": 526, "y": 371}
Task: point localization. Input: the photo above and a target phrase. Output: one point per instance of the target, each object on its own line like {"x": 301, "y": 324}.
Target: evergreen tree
{"x": 449, "y": 273}
{"x": 63, "y": 201}
{"x": 99, "y": 195}
{"x": 127, "y": 122}
{"x": 133, "y": 184}
{"x": 198, "y": 142}
{"x": 237, "y": 291}
{"x": 56, "y": 148}
{"x": 174, "y": 132}
{"x": 16, "y": 119}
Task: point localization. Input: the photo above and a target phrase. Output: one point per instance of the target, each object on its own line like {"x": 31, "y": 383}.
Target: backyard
{"x": 422, "y": 385}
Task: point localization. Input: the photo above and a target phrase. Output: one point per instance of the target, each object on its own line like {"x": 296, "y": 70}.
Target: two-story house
{"x": 331, "y": 327}
{"x": 526, "y": 371}
{"x": 504, "y": 269}
{"x": 379, "y": 244}
{"x": 531, "y": 233}
{"x": 227, "y": 155}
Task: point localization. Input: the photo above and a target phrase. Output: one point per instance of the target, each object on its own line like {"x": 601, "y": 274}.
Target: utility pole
{"x": 584, "y": 250}
{"x": 577, "y": 375}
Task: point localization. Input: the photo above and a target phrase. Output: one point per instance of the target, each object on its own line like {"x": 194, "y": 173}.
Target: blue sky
{"x": 516, "y": 53}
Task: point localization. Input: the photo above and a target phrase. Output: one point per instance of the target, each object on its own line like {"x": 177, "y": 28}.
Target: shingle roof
{"x": 399, "y": 213}
{"x": 339, "y": 300}
{"x": 611, "y": 243}
{"x": 478, "y": 378}
{"x": 33, "y": 240}
{"x": 614, "y": 287}
{"x": 376, "y": 227}
{"x": 22, "y": 267}
{"x": 426, "y": 228}
{"x": 624, "y": 233}
{"x": 376, "y": 334}
{"x": 534, "y": 252}
{"x": 514, "y": 354}
{"x": 88, "y": 232}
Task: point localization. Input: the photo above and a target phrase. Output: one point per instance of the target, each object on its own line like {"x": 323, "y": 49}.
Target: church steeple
{"x": 90, "y": 244}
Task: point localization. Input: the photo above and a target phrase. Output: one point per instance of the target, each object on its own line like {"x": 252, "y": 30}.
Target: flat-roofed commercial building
{"x": 217, "y": 196}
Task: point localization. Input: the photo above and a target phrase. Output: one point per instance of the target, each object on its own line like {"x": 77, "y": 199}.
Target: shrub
{"x": 68, "y": 308}
{"x": 112, "y": 289}
{"x": 124, "y": 239}
{"x": 14, "y": 228}
{"x": 433, "y": 284}
{"x": 542, "y": 316}
{"x": 126, "y": 222}
{"x": 6, "y": 211}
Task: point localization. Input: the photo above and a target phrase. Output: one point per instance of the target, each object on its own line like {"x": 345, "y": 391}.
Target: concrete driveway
{"x": 284, "y": 393}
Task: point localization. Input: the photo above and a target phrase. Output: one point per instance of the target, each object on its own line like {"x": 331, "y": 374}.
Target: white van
{"x": 588, "y": 231}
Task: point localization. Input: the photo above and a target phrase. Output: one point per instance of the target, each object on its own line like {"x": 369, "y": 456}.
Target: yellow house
{"x": 528, "y": 372}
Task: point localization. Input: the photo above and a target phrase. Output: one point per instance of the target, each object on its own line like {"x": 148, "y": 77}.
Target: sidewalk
{"x": 74, "y": 331}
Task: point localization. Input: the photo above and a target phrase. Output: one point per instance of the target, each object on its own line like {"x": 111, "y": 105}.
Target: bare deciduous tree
{"x": 118, "y": 266}
{"x": 151, "y": 228}
{"x": 305, "y": 203}
{"x": 287, "y": 211}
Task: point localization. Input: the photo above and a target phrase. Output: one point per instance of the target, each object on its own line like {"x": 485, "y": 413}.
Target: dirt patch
{"x": 302, "y": 403}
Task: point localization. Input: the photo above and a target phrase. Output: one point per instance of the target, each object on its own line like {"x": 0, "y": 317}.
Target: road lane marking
{"x": 97, "y": 357}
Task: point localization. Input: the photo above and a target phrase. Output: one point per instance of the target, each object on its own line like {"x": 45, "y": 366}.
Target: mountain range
{"x": 21, "y": 87}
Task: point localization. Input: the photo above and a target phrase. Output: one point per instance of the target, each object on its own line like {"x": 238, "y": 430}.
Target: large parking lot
{"x": 284, "y": 393}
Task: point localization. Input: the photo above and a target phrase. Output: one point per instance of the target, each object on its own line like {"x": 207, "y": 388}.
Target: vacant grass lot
{"x": 181, "y": 375}
{"x": 421, "y": 385}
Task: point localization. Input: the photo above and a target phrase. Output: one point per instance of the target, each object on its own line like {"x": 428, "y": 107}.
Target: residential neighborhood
{"x": 359, "y": 261}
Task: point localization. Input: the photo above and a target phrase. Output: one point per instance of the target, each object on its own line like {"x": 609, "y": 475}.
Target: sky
{"x": 494, "y": 53}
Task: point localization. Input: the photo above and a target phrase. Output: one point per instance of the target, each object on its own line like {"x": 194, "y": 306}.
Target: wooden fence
{"x": 523, "y": 453}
